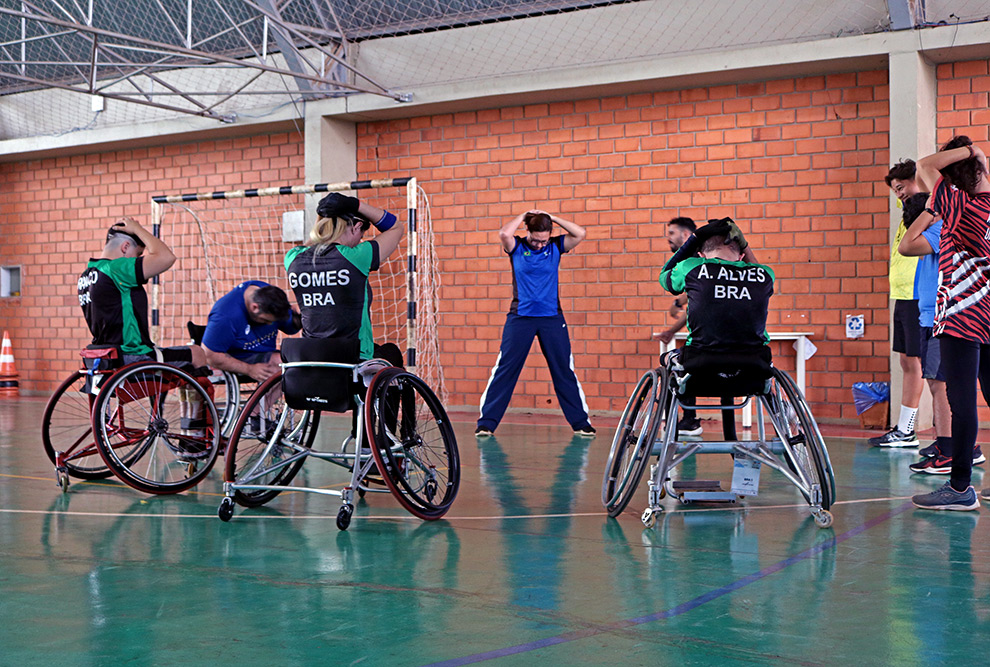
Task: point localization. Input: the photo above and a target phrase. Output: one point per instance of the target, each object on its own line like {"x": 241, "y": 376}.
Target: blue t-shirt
{"x": 926, "y": 277}
{"x": 535, "y": 291}
{"x": 231, "y": 331}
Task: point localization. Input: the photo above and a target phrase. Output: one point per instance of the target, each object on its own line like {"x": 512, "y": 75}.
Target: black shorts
{"x": 180, "y": 357}
{"x": 907, "y": 330}
{"x": 931, "y": 356}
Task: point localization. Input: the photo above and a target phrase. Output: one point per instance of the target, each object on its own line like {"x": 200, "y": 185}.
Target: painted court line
{"x": 679, "y": 609}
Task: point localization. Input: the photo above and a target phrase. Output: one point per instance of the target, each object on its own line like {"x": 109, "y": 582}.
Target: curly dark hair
{"x": 902, "y": 171}
{"x": 965, "y": 174}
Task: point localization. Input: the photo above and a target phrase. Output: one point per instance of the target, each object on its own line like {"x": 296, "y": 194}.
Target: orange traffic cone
{"x": 8, "y": 370}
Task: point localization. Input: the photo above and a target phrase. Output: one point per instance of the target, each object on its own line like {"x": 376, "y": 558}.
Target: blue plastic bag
{"x": 868, "y": 394}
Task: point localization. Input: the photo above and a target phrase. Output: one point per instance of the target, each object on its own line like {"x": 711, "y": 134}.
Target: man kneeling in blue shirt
{"x": 242, "y": 331}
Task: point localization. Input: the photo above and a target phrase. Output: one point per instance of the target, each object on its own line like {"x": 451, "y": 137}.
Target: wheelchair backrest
{"x": 325, "y": 389}
{"x": 737, "y": 373}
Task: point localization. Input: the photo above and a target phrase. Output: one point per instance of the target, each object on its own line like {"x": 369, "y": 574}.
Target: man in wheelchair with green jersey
{"x": 728, "y": 299}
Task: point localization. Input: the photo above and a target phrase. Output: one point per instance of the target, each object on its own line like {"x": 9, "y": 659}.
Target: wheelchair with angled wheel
{"x": 648, "y": 428}
{"x": 151, "y": 424}
{"x": 400, "y": 438}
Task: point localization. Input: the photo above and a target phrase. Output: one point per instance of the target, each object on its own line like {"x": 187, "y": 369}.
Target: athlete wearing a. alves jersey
{"x": 535, "y": 312}
{"x": 728, "y": 298}
{"x": 957, "y": 176}
{"x": 329, "y": 275}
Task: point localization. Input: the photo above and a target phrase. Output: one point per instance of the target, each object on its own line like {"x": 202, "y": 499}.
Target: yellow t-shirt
{"x": 902, "y": 270}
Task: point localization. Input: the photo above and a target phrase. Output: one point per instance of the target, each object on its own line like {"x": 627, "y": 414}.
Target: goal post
{"x": 221, "y": 239}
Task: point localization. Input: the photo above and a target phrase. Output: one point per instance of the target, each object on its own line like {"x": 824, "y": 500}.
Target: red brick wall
{"x": 799, "y": 163}
{"x": 54, "y": 214}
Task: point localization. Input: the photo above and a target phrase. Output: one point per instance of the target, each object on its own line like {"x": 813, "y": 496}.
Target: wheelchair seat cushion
{"x": 326, "y": 389}
{"x": 723, "y": 373}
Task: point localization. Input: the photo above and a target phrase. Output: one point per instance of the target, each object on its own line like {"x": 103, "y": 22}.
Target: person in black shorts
{"x": 114, "y": 302}
{"x": 906, "y": 340}
{"x": 113, "y": 299}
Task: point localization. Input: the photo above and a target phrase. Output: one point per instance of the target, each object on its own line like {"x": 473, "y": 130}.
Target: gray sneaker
{"x": 947, "y": 498}
{"x": 895, "y": 438}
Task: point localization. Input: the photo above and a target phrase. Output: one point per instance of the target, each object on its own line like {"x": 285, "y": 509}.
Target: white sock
{"x": 906, "y": 423}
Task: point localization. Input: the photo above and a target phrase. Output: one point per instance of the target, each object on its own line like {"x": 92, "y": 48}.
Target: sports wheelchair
{"x": 400, "y": 436}
{"x": 795, "y": 446}
{"x": 135, "y": 421}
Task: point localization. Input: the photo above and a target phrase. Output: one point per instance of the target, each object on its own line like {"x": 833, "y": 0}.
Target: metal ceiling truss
{"x": 62, "y": 46}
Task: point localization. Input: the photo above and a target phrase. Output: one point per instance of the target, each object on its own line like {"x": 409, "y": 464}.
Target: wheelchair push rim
{"x": 412, "y": 442}
{"x": 269, "y": 444}
{"x": 633, "y": 443}
{"x": 141, "y": 433}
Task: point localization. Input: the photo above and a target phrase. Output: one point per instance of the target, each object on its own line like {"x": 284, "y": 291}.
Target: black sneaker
{"x": 985, "y": 494}
{"x": 895, "y": 438}
{"x": 933, "y": 465}
{"x": 929, "y": 451}
{"x": 586, "y": 431}
{"x": 689, "y": 427}
{"x": 978, "y": 456}
{"x": 947, "y": 498}
{"x": 482, "y": 432}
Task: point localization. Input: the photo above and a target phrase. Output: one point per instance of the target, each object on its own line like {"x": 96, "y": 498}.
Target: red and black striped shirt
{"x": 961, "y": 308}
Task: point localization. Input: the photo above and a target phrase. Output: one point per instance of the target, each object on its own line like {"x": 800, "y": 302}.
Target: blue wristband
{"x": 386, "y": 223}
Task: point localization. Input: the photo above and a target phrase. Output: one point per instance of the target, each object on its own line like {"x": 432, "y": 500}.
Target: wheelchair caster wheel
{"x": 344, "y": 516}
{"x": 430, "y": 489}
{"x": 823, "y": 518}
{"x": 191, "y": 468}
{"x": 362, "y": 492}
{"x": 649, "y": 517}
{"x": 62, "y": 480}
{"x": 226, "y": 509}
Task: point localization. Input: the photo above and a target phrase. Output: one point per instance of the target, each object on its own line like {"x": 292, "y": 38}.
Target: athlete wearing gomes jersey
{"x": 329, "y": 275}
{"x": 535, "y": 312}
{"x": 957, "y": 177}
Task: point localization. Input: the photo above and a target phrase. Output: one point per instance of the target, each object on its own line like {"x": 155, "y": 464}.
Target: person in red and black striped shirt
{"x": 957, "y": 178}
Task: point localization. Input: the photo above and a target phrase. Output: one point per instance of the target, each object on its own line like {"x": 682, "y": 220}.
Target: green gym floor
{"x": 525, "y": 569}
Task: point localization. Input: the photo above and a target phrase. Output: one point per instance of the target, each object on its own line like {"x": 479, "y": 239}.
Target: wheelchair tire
{"x": 633, "y": 443}
{"x": 412, "y": 442}
{"x": 810, "y": 457}
{"x": 249, "y": 458}
{"x": 227, "y": 398}
{"x": 67, "y": 427}
{"x": 138, "y": 421}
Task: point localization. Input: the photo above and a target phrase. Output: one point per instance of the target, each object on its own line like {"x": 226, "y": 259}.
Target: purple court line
{"x": 679, "y": 609}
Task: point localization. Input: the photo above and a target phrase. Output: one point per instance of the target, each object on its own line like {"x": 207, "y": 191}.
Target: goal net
{"x": 221, "y": 239}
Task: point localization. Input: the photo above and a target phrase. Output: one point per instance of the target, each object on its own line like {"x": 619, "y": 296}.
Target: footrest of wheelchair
{"x": 702, "y": 491}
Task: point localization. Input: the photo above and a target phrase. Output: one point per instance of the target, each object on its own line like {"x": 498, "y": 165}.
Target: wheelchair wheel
{"x": 804, "y": 449}
{"x": 633, "y": 442}
{"x": 66, "y": 427}
{"x": 255, "y": 456}
{"x": 145, "y": 434}
{"x": 227, "y": 398}
{"x": 412, "y": 443}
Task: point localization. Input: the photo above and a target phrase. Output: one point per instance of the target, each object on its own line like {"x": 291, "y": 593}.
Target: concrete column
{"x": 330, "y": 154}
{"x": 912, "y": 135}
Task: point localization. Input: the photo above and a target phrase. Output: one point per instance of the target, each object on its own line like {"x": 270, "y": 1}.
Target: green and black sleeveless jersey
{"x": 727, "y": 301}
{"x": 114, "y": 303}
{"x": 333, "y": 292}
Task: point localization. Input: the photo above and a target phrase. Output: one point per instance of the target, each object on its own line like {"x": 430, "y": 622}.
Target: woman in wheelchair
{"x": 726, "y": 356}
{"x": 329, "y": 275}
{"x": 400, "y": 435}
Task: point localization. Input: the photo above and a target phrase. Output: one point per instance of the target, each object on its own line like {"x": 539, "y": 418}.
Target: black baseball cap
{"x": 115, "y": 230}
